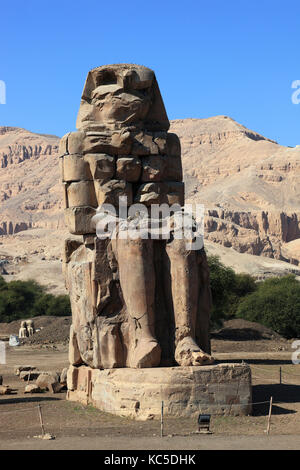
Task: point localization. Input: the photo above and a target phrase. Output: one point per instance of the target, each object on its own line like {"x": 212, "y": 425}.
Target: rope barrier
{"x": 122, "y": 410}
{"x": 199, "y": 405}
{"x": 290, "y": 373}
{"x": 268, "y": 380}
{"x": 260, "y": 368}
{"x": 271, "y": 371}
{"x": 19, "y": 411}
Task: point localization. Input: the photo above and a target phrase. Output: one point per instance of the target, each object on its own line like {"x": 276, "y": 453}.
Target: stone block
{"x": 48, "y": 381}
{"x": 32, "y": 388}
{"x": 110, "y": 192}
{"x": 160, "y": 138}
{"x": 129, "y": 169}
{"x": 223, "y": 389}
{"x": 72, "y": 378}
{"x": 81, "y": 193}
{"x": 102, "y": 166}
{"x": 154, "y": 167}
{"x": 169, "y": 192}
{"x": 117, "y": 143}
{"x": 79, "y": 220}
{"x": 29, "y": 375}
{"x": 175, "y": 193}
{"x": 173, "y": 147}
{"x": 63, "y": 145}
{"x": 63, "y": 375}
{"x": 74, "y": 353}
{"x": 65, "y": 195}
{"x": 70, "y": 245}
{"x": 71, "y": 143}
{"x": 75, "y": 142}
{"x": 149, "y": 193}
{"x": 144, "y": 144}
{"x": 75, "y": 168}
{"x": 173, "y": 169}
{"x": 19, "y": 369}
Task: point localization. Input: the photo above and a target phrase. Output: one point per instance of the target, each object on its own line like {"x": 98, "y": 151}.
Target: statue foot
{"x": 188, "y": 353}
{"x": 146, "y": 354}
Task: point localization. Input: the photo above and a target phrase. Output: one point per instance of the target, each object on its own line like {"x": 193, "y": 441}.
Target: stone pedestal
{"x": 223, "y": 389}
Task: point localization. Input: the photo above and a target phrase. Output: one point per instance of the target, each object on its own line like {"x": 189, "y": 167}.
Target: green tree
{"x": 2, "y": 283}
{"x": 59, "y": 306}
{"x": 25, "y": 299}
{"x": 227, "y": 288}
{"x": 275, "y": 304}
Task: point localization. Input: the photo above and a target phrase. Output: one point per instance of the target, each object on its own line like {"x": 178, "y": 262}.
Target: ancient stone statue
{"x": 23, "y": 332}
{"x": 139, "y": 302}
{"x": 30, "y": 327}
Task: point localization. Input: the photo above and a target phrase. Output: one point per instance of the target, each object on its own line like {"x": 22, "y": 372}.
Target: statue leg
{"x": 137, "y": 279}
{"x": 185, "y": 295}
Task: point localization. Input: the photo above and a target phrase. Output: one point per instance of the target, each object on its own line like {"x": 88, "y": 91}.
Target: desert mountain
{"x": 30, "y": 193}
{"x": 248, "y": 184}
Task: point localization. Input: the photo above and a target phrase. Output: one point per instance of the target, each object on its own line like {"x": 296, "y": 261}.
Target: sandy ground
{"x": 77, "y": 427}
{"x": 203, "y": 442}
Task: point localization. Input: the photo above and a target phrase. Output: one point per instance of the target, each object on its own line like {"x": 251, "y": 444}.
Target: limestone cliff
{"x": 30, "y": 194}
{"x": 248, "y": 184}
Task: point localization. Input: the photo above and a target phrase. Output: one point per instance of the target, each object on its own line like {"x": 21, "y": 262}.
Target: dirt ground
{"x": 77, "y": 427}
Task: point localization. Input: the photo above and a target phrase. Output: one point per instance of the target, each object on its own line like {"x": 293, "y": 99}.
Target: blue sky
{"x": 237, "y": 58}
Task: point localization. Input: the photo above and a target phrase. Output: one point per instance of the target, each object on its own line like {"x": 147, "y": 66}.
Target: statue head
{"x": 121, "y": 96}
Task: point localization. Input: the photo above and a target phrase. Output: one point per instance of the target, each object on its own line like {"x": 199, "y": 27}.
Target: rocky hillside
{"x": 248, "y": 183}
{"x": 30, "y": 193}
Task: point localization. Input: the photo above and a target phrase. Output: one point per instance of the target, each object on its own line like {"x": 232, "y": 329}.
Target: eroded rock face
{"x": 29, "y": 189}
{"x": 258, "y": 232}
{"x": 248, "y": 184}
{"x": 136, "y": 302}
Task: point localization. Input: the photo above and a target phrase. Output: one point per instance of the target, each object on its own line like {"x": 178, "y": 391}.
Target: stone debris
{"x": 44, "y": 380}
{"x": 5, "y": 390}
{"x": 19, "y": 369}
{"x": 47, "y": 437}
{"x": 32, "y": 388}
{"x": 63, "y": 376}
{"x": 50, "y": 382}
{"x": 29, "y": 375}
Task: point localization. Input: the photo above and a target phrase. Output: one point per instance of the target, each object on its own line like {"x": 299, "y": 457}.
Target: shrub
{"x": 227, "y": 289}
{"x": 275, "y": 304}
{"x": 25, "y": 299}
{"x": 53, "y": 306}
